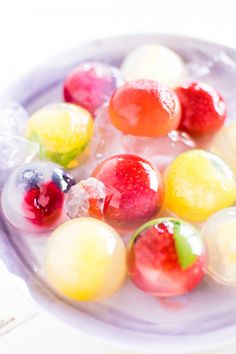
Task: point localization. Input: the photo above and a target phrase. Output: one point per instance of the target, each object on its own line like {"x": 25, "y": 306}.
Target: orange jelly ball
{"x": 144, "y": 108}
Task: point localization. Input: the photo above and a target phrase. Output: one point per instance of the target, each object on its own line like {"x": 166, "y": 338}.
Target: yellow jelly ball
{"x": 62, "y": 130}
{"x": 85, "y": 260}
{"x": 198, "y": 183}
{"x": 224, "y": 145}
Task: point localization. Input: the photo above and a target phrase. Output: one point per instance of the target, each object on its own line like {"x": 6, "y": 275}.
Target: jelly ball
{"x": 160, "y": 151}
{"x": 198, "y": 183}
{"x": 33, "y": 196}
{"x": 166, "y": 257}
{"x": 144, "y": 108}
{"x": 91, "y": 84}
{"x": 62, "y": 130}
{"x": 135, "y": 190}
{"x": 154, "y": 62}
{"x": 218, "y": 233}
{"x": 224, "y": 145}
{"x": 85, "y": 260}
{"x": 203, "y": 109}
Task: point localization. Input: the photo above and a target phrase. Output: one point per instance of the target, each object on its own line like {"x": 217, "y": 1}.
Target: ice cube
{"x": 15, "y": 151}
{"x": 12, "y": 118}
{"x": 86, "y": 198}
{"x": 159, "y": 151}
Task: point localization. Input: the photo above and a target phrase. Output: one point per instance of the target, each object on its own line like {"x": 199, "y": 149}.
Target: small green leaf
{"x": 183, "y": 248}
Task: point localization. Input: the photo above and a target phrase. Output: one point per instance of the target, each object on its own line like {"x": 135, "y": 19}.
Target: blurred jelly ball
{"x": 166, "y": 257}
{"x": 203, "y": 109}
{"x": 218, "y": 233}
{"x": 62, "y": 130}
{"x": 224, "y": 145}
{"x": 85, "y": 260}
{"x": 34, "y": 195}
{"x": 154, "y": 62}
{"x": 144, "y": 108}
{"x": 134, "y": 190}
{"x": 91, "y": 84}
{"x": 160, "y": 151}
{"x": 198, "y": 183}
{"x": 13, "y": 118}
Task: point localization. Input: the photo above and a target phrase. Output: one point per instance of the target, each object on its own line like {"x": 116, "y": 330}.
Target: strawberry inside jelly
{"x": 43, "y": 205}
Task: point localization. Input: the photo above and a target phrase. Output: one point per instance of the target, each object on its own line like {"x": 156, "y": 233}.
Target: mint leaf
{"x": 183, "y": 248}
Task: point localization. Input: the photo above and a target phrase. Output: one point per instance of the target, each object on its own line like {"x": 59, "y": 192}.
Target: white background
{"x": 32, "y": 31}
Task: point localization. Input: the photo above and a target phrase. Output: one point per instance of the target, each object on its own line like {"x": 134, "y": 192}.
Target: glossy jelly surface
{"x": 144, "y": 108}
{"x": 154, "y": 62}
{"x": 85, "y": 260}
{"x": 198, "y": 183}
{"x": 34, "y": 195}
{"x": 91, "y": 84}
{"x": 135, "y": 190}
{"x": 166, "y": 257}
{"x": 62, "y": 130}
{"x": 218, "y": 233}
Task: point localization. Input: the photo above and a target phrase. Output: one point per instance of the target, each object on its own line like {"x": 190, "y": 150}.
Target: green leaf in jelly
{"x": 186, "y": 257}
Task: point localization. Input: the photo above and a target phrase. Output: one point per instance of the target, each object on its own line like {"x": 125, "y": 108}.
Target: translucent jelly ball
{"x": 91, "y": 84}
{"x": 62, "y": 130}
{"x": 33, "y": 196}
{"x": 144, "y": 108}
{"x": 224, "y": 145}
{"x": 154, "y": 62}
{"x": 218, "y": 233}
{"x": 85, "y": 260}
{"x": 166, "y": 257}
{"x": 134, "y": 190}
{"x": 160, "y": 151}
{"x": 198, "y": 183}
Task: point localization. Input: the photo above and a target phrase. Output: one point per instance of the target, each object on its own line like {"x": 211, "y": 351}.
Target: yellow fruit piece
{"x": 85, "y": 260}
{"x": 62, "y": 130}
{"x": 198, "y": 183}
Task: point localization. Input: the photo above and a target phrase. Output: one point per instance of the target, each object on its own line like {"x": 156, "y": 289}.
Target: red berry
{"x": 43, "y": 204}
{"x": 144, "y": 108}
{"x": 203, "y": 109}
{"x": 135, "y": 190}
{"x": 166, "y": 257}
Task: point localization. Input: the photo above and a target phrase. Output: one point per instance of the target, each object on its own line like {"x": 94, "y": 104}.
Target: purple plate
{"x": 205, "y": 318}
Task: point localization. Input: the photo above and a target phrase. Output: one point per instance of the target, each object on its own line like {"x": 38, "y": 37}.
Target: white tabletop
{"x": 32, "y": 31}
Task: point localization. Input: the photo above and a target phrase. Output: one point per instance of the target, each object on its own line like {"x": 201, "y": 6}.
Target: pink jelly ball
{"x": 91, "y": 84}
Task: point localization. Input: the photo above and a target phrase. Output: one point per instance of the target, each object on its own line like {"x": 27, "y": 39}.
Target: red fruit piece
{"x": 44, "y": 204}
{"x": 203, "y": 109}
{"x": 135, "y": 190}
{"x": 91, "y": 84}
{"x": 144, "y": 108}
{"x": 166, "y": 257}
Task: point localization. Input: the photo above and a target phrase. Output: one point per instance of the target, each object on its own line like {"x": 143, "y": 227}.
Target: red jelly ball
{"x": 166, "y": 257}
{"x": 203, "y": 109}
{"x": 91, "y": 84}
{"x": 144, "y": 108}
{"x": 45, "y": 202}
{"x": 135, "y": 190}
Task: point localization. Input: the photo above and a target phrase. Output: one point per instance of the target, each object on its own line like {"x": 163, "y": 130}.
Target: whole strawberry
{"x": 203, "y": 109}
